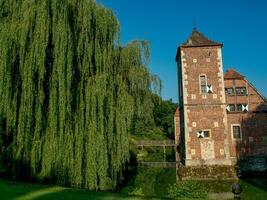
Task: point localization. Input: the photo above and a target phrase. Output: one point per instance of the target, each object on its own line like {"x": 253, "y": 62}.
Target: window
{"x": 229, "y": 91}
{"x": 236, "y": 131}
{"x": 203, "y": 134}
{"x": 262, "y": 108}
{"x": 239, "y": 107}
{"x": 231, "y": 107}
{"x": 206, "y": 134}
{"x": 203, "y": 83}
{"x": 240, "y": 91}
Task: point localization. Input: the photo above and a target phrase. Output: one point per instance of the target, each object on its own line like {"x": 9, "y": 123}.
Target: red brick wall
{"x": 208, "y": 111}
{"x": 253, "y": 123}
{"x": 203, "y": 111}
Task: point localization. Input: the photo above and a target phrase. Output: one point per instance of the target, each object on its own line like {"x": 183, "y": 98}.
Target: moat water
{"x": 156, "y": 181}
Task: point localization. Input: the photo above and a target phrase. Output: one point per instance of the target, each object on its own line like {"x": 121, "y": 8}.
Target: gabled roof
{"x": 232, "y": 74}
{"x": 197, "y": 39}
{"x": 257, "y": 91}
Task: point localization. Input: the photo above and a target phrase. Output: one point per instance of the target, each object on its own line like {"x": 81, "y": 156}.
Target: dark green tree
{"x": 163, "y": 112}
{"x": 68, "y": 91}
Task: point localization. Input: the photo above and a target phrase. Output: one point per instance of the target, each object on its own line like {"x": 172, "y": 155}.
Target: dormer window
{"x": 203, "y": 84}
{"x": 240, "y": 90}
{"x": 229, "y": 91}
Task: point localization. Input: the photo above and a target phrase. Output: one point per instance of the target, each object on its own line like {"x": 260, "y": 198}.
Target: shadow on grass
{"x": 23, "y": 191}
{"x": 254, "y": 188}
{"x": 260, "y": 183}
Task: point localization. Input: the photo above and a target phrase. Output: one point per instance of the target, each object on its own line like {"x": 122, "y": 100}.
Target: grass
{"x": 254, "y": 188}
{"x": 24, "y": 191}
{"x": 10, "y": 190}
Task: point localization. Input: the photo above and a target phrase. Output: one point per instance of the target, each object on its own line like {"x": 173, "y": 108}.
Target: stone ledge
{"x": 207, "y": 172}
{"x": 223, "y": 195}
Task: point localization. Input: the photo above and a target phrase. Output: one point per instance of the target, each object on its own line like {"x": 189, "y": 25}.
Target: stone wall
{"x": 207, "y": 172}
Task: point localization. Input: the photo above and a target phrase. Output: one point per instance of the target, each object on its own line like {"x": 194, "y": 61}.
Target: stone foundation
{"x": 207, "y": 172}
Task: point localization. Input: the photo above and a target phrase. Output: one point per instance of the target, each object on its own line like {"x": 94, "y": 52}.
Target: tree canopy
{"x": 156, "y": 125}
{"x": 68, "y": 92}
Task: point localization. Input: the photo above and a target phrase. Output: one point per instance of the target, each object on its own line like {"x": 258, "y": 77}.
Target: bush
{"x": 188, "y": 189}
{"x": 137, "y": 192}
{"x": 150, "y": 182}
{"x": 1, "y": 164}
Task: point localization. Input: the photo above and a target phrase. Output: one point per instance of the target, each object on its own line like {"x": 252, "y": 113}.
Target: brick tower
{"x": 204, "y": 138}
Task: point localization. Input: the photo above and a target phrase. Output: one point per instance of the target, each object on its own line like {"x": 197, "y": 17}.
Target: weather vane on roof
{"x": 194, "y": 24}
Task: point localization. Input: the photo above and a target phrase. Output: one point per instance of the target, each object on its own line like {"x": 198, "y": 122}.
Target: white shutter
{"x": 245, "y": 107}
{"x": 200, "y": 134}
{"x": 228, "y": 108}
{"x": 209, "y": 89}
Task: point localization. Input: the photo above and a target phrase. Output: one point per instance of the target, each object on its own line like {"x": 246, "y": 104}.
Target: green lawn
{"x": 254, "y": 189}
{"x": 10, "y": 190}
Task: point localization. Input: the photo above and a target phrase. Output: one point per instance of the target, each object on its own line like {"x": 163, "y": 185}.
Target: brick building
{"x": 221, "y": 116}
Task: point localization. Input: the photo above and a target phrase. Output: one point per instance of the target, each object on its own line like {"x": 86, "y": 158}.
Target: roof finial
{"x": 194, "y": 25}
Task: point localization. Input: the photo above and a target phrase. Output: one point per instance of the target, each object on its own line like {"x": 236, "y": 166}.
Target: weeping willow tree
{"x": 68, "y": 92}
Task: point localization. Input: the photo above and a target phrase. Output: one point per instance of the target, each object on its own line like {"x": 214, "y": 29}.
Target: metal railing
{"x": 156, "y": 143}
{"x": 159, "y": 164}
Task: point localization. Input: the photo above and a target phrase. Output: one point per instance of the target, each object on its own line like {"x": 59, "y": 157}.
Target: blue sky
{"x": 241, "y": 25}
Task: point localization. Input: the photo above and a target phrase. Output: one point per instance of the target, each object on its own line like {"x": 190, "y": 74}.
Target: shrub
{"x": 137, "y": 192}
{"x": 188, "y": 189}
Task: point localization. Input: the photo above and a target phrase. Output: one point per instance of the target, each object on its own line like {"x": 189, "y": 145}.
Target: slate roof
{"x": 197, "y": 39}
{"x": 232, "y": 74}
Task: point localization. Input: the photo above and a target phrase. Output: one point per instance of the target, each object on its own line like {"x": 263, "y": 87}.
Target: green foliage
{"x": 137, "y": 192}
{"x": 152, "y": 133}
{"x": 69, "y": 92}
{"x": 163, "y": 113}
{"x": 160, "y": 124}
{"x": 151, "y": 182}
{"x": 188, "y": 189}
{"x": 156, "y": 154}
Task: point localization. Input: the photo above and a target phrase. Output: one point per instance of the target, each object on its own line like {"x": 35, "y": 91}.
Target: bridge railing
{"x": 156, "y": 143}
{"x": 159, "y": 164}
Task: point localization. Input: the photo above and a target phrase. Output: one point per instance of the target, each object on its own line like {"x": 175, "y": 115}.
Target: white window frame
{"x": 209, "y": 132}
{"x": 232, "y": 132}
{"x": 199, "y": 80}
{"x": 230, "y": 108}
{"x": 206, "y": 138}
{"x": 226, "y": 91}
{"x": 241, "y": 88}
